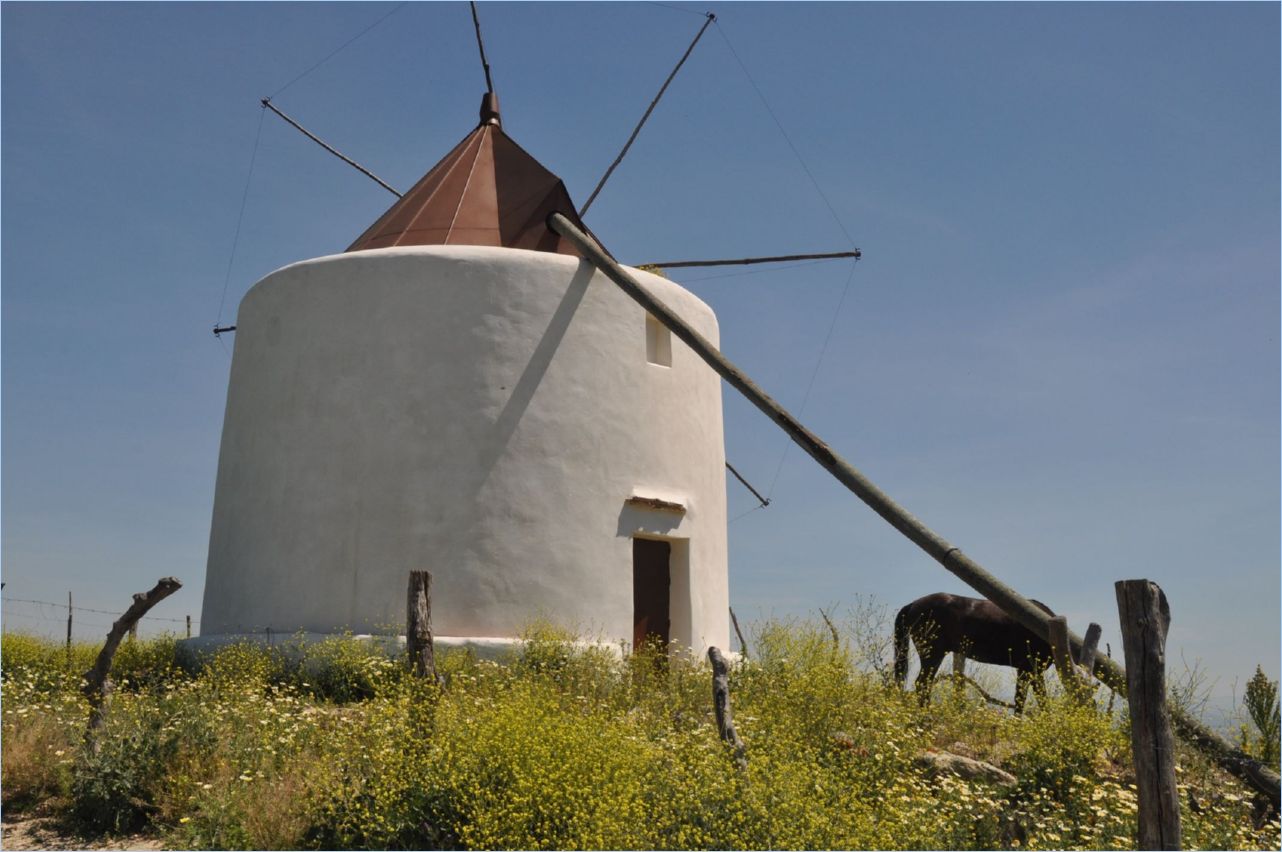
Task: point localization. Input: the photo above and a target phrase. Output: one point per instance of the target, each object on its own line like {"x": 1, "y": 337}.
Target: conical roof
{"x": 486, "y": 192}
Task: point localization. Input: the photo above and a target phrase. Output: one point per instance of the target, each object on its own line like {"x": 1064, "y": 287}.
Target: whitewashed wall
{"x": 481, "y": 413}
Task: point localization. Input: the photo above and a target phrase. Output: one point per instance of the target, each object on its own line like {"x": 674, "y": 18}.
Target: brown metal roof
{"x": 486, "y": 192}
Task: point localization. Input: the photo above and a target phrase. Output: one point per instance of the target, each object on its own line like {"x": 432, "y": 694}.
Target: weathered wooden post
{"x": 1145, "y": 617}
{"x": 98, "y": 685}
{"x": 188, "y": 626}
{"x": 1090, "y": 646}
{"x": 418, "y": 625}
{"x": 1076, "y": 677}
{"x": 743, "y": 643}
{"x": 936, "y": 546}
{"x": 68, "y": 621}
{"x": 721, "y": 706}
{"x": 832, "y": 628}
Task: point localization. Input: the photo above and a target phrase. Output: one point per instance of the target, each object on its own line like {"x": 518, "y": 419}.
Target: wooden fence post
{"x": 743, "y": 643}
{"x": 1145, "y": 617}
{"x": 68, "y": 621}
{"x": 1061, "y": 653}
{"x": 832, "y": 628}
{"x": 418, "y": 625}
{"x": 97, "y": 686}
{"x": 189, "y": 627}
{"x": 721, "y": 705}
{"x": 1075, "y": 676}
{"x": 1090, "y": 645}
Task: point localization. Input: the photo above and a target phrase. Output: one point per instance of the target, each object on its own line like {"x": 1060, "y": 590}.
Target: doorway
{"x": 651, "y": 591}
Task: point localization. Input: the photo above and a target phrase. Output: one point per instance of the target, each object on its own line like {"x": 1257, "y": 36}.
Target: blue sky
{"x": 1060, "y": 349}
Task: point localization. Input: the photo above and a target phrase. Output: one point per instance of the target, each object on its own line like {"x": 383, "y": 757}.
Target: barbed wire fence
{"x": 36, "y": 614}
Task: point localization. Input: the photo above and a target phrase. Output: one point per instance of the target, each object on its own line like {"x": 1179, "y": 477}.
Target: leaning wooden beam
{"x": 938, "y": 548}
{"x": 98, "y": 686}
{"x": 721, "y": 706}
{"x": 781, "y": 258}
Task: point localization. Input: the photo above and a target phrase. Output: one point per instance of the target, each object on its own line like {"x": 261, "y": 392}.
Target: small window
{"x": 658, "y": 342}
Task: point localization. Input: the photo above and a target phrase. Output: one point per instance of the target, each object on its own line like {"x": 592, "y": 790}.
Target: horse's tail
{"x": 901, "y": 646}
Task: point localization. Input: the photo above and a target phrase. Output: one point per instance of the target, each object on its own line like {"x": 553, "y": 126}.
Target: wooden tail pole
{"x": 966, "y": 569}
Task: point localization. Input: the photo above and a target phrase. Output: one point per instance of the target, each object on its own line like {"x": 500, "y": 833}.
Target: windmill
{"x": 460, "y": 391}
{"x": 559, "y": 260}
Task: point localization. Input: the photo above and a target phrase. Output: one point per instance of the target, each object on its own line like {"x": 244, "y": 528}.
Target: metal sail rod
{"x": 765, "y": 501}
{"x": 710, "y": 18}
{"x": 779, "y": 258}
{"x": 267, "y": 104}
{"x": 476, "y": 24}
{"x": 966, "y": 569}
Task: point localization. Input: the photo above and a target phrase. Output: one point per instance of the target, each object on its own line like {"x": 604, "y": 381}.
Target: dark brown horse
{"x": 977, "y": 629}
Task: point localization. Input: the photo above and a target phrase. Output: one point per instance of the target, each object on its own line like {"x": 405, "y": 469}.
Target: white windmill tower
{"x": 460, "y": 392}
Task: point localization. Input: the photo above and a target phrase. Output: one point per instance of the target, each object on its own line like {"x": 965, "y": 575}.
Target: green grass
{"x": 568, "y": 747}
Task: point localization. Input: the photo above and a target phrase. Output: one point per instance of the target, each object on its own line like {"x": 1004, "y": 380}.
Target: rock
{"x": 934, "y": 762}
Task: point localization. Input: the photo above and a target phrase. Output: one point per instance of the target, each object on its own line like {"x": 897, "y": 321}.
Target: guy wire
{"x": 241, "y": 216}
{"x": 336, "y": 50}
{"x": 837, "y": 219}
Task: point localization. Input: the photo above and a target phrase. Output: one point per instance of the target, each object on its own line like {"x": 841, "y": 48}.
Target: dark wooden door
{"x": 651, "y": 578}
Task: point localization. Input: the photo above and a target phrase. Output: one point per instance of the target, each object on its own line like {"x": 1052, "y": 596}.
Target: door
{"x": 651, "y": 581}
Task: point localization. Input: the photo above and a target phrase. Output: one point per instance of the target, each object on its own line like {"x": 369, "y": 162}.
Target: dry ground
{"x": 37, "y": 832}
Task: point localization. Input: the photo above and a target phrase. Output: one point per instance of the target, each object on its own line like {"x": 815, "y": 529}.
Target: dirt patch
{"x": 49, "y": 833}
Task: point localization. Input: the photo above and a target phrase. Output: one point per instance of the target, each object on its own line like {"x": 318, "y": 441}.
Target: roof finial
{"x": 490, "y": 109}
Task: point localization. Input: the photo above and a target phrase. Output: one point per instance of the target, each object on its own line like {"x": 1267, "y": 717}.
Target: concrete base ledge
{"x": 293, "y": 646}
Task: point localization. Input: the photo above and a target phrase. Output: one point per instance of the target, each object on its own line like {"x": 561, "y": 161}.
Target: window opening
{"x": 658, "y": 342}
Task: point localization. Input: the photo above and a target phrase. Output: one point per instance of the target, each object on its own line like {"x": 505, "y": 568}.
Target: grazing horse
{"x": 975, "y": 628}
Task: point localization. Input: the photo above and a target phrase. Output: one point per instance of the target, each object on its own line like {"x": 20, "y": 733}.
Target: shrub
{"x": 344, "y": 669}
{"x": 574, "y": 746}
{"x": 41, "y": 732}
{"x": 1261, "y": 701}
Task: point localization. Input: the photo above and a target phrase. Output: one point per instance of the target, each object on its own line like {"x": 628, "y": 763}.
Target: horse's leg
{"x": 930, "y": 662}
{"x": 1021, "y": 690}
